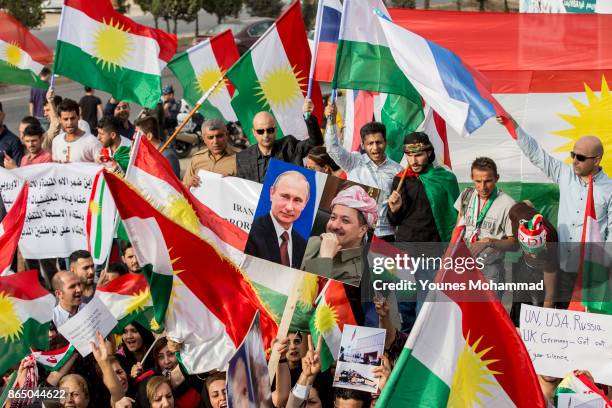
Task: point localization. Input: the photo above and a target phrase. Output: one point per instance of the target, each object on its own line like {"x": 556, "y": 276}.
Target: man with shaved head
{"x": 573, "y": 181}
{"x": 288, "y": 197}
{"x": 68, "y": 292}
{"x": 252, "y": 163}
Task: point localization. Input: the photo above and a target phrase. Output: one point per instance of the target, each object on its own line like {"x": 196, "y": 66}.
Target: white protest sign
{"x": 58, "y": 200}
{"x": 580, "y": 401}
{"x": 80, "y": 330}
{"x": 560, "y": 341}
{"x": 233, "y": 198}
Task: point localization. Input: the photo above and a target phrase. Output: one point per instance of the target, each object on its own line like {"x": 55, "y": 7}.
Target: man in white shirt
{"x": 73, "y": 144}
{"x": 372, "y": 168}
{"x": 67, "y": 290}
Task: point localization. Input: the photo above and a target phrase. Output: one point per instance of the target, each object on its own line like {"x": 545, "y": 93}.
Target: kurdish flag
{"x": 151, "y": 173}
{"x": 592, "y": 289}
{"x": 10, "y": 229}
{"x": 53, "y": 360}
{"x": 531, "y": 66}
{"x": 22, "y": 56}
{"x": 128, "y": 298}
{"x": 100, "y": 221}
{"x": 200, "y": 67}
{"x": 105, "y": 50}
{"x": 201, "y": 297}
{"x": 272, "y": 76}
{"x": 274, "y": 282}
{"x": 26, "y": 309}
{"x": 332, "y": 313}
{"x": 579, "y": 385}
{"x": 452, "y": 359}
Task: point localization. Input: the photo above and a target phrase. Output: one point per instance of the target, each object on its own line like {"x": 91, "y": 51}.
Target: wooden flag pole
{"x": 283, "y": 327}
{"x": 399, "y": 185}
{"x": 193, "y": 111}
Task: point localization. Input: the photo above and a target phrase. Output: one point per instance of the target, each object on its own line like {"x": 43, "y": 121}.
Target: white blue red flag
{"x": 327, "y": 28}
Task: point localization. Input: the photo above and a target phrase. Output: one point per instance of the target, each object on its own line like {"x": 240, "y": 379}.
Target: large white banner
{"x": 232, "y": 198}
{"x": 58, "y": 200}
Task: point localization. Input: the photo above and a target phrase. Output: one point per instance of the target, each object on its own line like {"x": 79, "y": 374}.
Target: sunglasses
{"x": 269, "y": 130}
{"x": 581, "y": 157}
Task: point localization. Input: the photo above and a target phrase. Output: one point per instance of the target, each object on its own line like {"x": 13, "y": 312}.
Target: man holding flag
{"x": 573, "y": 182}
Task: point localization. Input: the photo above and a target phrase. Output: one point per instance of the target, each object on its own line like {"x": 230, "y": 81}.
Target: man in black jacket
{"x": 252, "y": 163}
{"x": 288, "y": 196}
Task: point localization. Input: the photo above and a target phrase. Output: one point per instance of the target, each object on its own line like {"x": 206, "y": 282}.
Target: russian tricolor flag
{"x": 327, "y": 28}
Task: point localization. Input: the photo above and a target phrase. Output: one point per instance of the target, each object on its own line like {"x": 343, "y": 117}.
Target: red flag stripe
{"x": 212, "y": 278}
{"x": 23, "y": 285}
{"x": 226, "y": 53}
{"x": 290, "y": 28}
{"x": 103, "y": 11}
{"x": 128, "y": 284}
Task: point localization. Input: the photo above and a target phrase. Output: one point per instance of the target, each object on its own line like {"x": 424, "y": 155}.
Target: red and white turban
{"x": 356, "y": 197}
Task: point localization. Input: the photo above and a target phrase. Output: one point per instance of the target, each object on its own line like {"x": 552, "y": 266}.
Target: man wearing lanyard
{"x": 484, "y": 210}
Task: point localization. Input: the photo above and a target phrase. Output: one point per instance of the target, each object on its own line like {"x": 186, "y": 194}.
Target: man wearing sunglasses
{"x": 252, "y": 162}
{"x": 573, "y": 181}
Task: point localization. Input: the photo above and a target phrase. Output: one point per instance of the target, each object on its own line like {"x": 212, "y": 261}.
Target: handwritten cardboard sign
{"x": 560, "y": 341}
{"x": 80, "y": 330}
{"x": 58, "y": 200}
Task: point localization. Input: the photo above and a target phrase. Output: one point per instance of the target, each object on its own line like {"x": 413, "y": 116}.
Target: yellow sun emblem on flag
{"x": 138, "y": 302}
{"x": 470, "y": 376}
{"x": 180, "y": 211}
{"x": 308, "y": 291}
{"x": 593, "y": 119}
{"x": 174, "y": 295}
{"x": 94, "y": 208}
{"x": 10, "y": 325}
{"x": 12, "y": 54}
{"x": 207, "y": 78}
{"x": 112, "y": 45}
{"x": 325, "y": 318}
{"x": 281, "y": 87}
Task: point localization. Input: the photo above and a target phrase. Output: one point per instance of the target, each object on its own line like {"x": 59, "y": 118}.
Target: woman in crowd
{"x": 136, "y": 341}
{"x": 319, "y": 160}
{"x": 77, "y": 392}
{"x": 159, "y": 392}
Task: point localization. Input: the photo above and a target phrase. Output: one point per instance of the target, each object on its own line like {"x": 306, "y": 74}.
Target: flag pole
{"x": 193, "y": 111}
{"x": 399, "y": 185}
{"x": 133, "y": 153}
{"x": 59, "y": 34}
{"x": 283, "y": 327}
{"x": 313, "y": 58}
{"x": 150, "y": 348}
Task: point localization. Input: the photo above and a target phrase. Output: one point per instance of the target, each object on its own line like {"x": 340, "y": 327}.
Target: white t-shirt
{"x": 496, "y": 223}
{"x": 85, "y": 149}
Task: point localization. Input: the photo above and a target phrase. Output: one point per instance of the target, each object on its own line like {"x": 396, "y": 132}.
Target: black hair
{"x": 33, "y": 130}
{"x": 118, "y": 268}
{"x": 110, "y": 124}
{"x": 68, "y": 105}
{"x": 88, "y": 89}
{"x": 78, "y": 254}
{"x": 124, "y": 246}
{"x": 149, "y": 124}
{"x": 349, "y": 394}
{"x": 30, "y": 120}
{"x": 371, "y": 128}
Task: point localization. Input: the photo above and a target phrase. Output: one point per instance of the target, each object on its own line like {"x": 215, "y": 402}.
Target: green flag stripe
{"x": 12, "y": 75}
{"x": 596, "y": 287}
{"x": 400, "y": 116}
{"x": 246, "y": 101}
{"x": 33, "y": 335}
{"x": 411, "y": 384}
{"x": 161, "y": 290}
{"x": 124, "y": 84}
{"x": 98, "y": 243}
{"x": 360, "y": 65}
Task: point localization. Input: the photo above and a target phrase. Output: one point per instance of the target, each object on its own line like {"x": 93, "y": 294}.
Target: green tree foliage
{"x": 264, "y": 8}
{"x": 222, "y": 8}
{"x": 155, "y": 7}
{"x": 27, "y": 12}
{"x": 404, "y": 3}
